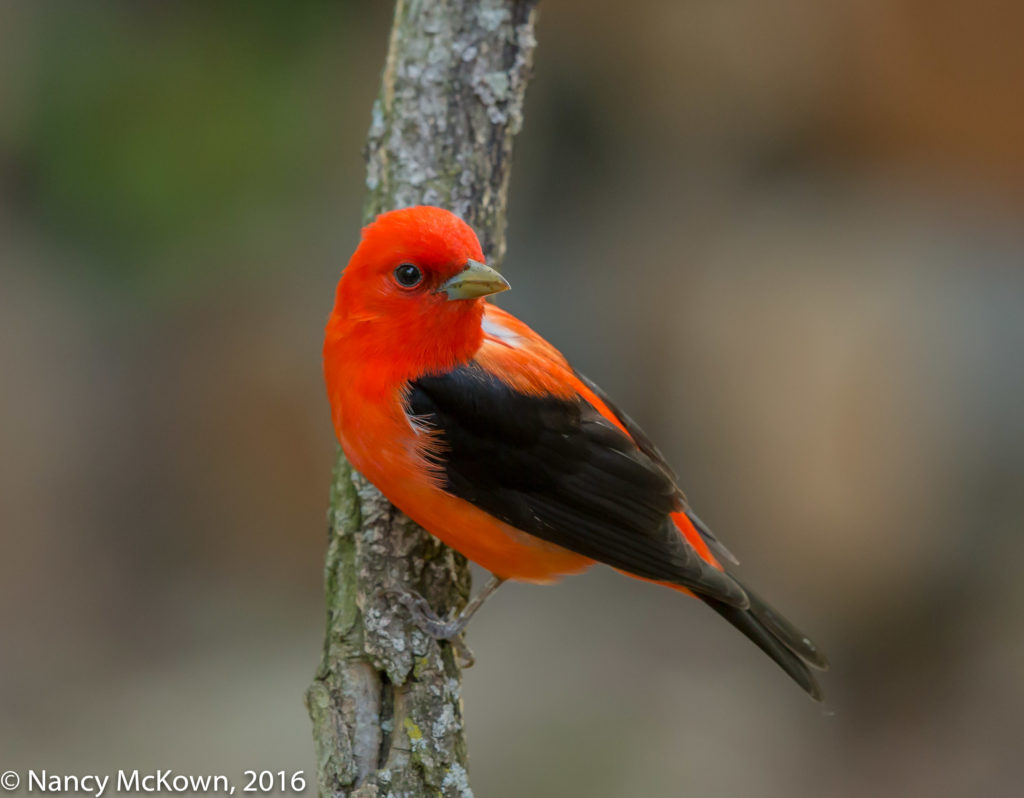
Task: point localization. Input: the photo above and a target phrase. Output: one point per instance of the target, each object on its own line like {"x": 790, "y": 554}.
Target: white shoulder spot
{"x": 494, "y": 329}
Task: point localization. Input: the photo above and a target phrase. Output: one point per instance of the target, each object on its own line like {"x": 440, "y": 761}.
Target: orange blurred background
{"x": 786, "y": 236}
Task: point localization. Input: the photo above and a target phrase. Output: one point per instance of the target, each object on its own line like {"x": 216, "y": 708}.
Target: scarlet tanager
{"x": 480, "y": 431}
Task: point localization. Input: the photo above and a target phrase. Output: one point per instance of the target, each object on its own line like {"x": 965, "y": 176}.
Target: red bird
{"x": 480, "y": 431}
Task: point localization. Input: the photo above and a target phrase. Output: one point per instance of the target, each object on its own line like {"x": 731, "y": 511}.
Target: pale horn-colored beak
{"x": 476, "y": 280}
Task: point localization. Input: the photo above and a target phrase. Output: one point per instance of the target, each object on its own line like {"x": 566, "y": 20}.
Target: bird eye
{"x": 408, "y": 275}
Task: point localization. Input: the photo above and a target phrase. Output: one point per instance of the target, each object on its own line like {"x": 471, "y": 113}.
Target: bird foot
{"x": 430, "y": 623}
{"x": 449, "y": 629}
{"x": 424, "y": 616}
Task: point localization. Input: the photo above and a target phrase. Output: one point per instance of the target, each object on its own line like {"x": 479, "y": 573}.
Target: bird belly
{"x": 502, "y": 549}
{"x": 384, "y": 449}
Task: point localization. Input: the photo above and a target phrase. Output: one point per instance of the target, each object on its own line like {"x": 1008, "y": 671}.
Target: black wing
{"x": 647, "y": 446}
{"x": 559, "y": 470}
{"x": 760, "y": 622}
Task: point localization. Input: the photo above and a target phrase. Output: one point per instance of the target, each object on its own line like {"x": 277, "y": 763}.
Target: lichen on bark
{"x": 386, "y": 700}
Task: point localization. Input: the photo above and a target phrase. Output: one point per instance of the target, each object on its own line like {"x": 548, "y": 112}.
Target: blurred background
{"x": 786, "y": 236}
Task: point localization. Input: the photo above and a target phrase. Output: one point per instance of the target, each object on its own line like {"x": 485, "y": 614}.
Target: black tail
{"x": 777, "y": 638}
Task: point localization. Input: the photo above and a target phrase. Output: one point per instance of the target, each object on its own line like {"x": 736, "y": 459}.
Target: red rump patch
{"x": 694, "y": 538}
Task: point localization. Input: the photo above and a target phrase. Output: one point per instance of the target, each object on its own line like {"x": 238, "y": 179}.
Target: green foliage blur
{"x": 153, "y": 131}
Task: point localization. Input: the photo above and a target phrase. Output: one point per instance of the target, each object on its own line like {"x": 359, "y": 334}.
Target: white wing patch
{"x": 494, "y": 329}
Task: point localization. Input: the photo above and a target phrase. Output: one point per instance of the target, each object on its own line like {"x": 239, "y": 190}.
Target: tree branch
{"x": 386, "y": 700}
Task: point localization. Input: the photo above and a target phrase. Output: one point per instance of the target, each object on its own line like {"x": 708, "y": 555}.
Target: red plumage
{"x": 481, "y": 431}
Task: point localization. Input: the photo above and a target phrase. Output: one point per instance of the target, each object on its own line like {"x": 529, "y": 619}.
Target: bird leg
{"x": 445, "y": 629}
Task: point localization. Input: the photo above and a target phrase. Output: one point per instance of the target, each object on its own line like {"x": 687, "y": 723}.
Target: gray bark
{"x": 386, "y": 700}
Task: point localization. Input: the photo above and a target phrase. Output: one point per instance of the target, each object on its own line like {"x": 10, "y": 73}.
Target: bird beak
{"x": 476, "y": 280}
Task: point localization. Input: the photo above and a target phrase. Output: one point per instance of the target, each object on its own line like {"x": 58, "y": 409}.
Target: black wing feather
{"x": 647, "y": 447}
{"x": 559, "y": 470}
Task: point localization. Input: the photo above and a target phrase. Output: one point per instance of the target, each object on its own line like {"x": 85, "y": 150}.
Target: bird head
{"x": 416, "y": 283}
{"x": 418, "y": 260}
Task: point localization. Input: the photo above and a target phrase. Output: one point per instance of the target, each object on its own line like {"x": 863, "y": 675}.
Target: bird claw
{"x": 424, "y": 616}
{"x": 448, "y": 629}
{"x": 430, "y": 623}
{"x": 463, "y": 655}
